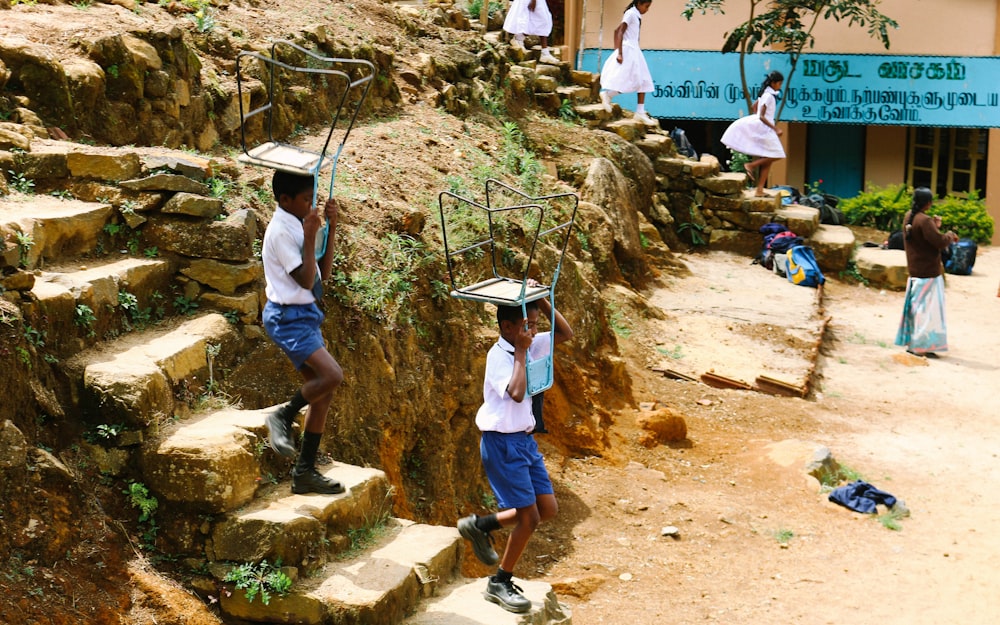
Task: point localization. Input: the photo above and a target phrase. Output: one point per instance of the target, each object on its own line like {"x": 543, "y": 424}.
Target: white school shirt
{"x": 282, "y": 253}
{"x": 500, "y": 413}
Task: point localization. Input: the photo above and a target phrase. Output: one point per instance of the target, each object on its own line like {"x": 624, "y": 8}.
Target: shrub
{"x": 885, "y": 207}
{"x": 878, "y": 207}
{"x": 966, "y": 216}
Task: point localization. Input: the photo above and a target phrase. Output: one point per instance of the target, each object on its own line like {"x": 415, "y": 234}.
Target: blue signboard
{"x": 864, "y": 89}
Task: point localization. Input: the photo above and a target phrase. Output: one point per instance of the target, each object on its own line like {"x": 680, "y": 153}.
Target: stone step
{"x": 833, "y": 245}
{"x": 882, "y": 268}
{"x": 134, "y": 378}
{"x": 58, "y": 292}
{"x": 280, "y": 526}
{"x": 462, "y": 603}
{"x": 58, "y": 229}
{"x": 628, "y": 129}
{"x": 380, "y": 586}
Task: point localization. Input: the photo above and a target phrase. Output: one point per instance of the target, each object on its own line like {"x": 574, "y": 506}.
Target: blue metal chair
{"x": 274, "y": 154}
{"x": 509, "y": 290}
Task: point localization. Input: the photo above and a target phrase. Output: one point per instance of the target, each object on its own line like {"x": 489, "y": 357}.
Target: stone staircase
{"x": 132, "y": 335}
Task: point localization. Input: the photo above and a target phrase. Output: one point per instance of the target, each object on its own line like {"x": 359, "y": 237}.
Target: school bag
{"x": 962, "y": 256}
{"x": 803, "y": 268}
{"x": 681, "y": 143}
{"x": 783, "y": 241}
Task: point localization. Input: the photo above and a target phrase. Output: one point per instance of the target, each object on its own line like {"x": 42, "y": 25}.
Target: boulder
{"x": 223, "y": 277}
{"x": 884, "y": 268}
{"x": 802, "y": 220}
{"x": 606, "y": 187}
{"x": 194, "y": 205}
{"x": 231, "y": 239}
{"x": 661, "y": 426}
{"x": 167, "y": 182}
{"x": 834, "y": 246}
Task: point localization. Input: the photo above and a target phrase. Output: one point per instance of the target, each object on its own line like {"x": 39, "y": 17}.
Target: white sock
{"x": 639, "y": 110}
{"x": 519, "y": 38}
{"x": 545, "y": 50}
{"x": 613, "y": 94}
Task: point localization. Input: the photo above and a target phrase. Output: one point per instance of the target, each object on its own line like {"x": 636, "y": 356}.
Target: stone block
{"x": 103, "y": 165}
{"x": 722, "y": 184}
{"x": 655, "y": 145}
{"x": 626, "y": 129}
{"x": 736, "y": 241}
{"x": 834, "y": 246}
{"x": 194, "y": 205}
{"x": 883, "y": 268}
{"x": 802, "y": 220}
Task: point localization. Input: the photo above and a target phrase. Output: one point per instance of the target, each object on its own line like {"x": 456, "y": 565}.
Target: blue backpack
{"x": 961, "y": 257}
{"x": 803, "y": 268}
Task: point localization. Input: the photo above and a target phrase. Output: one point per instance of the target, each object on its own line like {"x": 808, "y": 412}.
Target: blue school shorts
{"x": 514, "y": 468}
{"x": 295, "y": 328}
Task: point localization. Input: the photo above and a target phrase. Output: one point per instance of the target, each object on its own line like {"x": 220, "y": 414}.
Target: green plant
{"x": 151, "y": 252}
{"x": 676, "y": 353}
{"x": 738, "y": 162}
{"x": 616, "y": 320}
{"x": 211, "y": 351}
{"x": 62, "y": 194}
{"x": 105, "y": 432}
{"x": 20, "y": 183}
{"x": 35, "y": 337}
{"x": 878, "y": 207}
{"x": 694, "y": 232}
{"x": 783, "y": 536}
{"x": 84, "y": 317}
{"x": 139, "y": 497}
{"x": 219, "y": 187}
{"x": 851, "y": 273}
{"x": 967, "y": 216}
{"x": 475, "y": 8}
{"x": 814, "y": 187}
{"x": 518, "y": 160}
{"x": 890, "y": 520}
{"x": 259, "y": 579}
{"x": 232, "y": 316}
{"x": 24, "y": 244}
{"x": 184, "y": 305}
{"x": 82, "y": 4}
{"x": 567, "y": 111}
{"x": 112, "y": 70}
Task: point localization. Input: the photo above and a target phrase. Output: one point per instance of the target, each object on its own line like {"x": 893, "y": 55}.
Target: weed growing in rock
{"x": 259, "y": 579}
{"x": 21, "y": 183}
{"x": 84, "y": 317}
{"x": 140, "y": 498}
{"x": 784, "y": 536}
{"x": 185, "y": 305}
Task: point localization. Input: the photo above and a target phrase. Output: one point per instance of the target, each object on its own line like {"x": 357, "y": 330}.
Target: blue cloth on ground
{"x": 861, "y": 496}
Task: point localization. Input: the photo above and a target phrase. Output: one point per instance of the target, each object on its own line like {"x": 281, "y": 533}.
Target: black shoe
{"x": 506, "y": 595}
{"x": 312, "y": 481}
{"x": 482, "y": 545}
{"x": 280, "y": 434}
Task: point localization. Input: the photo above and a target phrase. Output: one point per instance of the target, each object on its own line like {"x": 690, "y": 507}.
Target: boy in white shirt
{"x": 513, "y": 464}
{"x": 293, "y": 319}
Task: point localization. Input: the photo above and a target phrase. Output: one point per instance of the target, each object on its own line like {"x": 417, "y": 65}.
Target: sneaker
{"x": 482, "y": 543}
{"x": 507, "y": 595}
{"x": 312, "y": 481}
{"x": 606, "y": 101}
{"x": 279, "y": 433}
{"x": 548, "y": 58}
{"x": 645, "y": 118}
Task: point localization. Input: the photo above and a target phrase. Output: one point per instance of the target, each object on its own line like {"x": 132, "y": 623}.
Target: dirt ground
{"x": 758, "y": 542}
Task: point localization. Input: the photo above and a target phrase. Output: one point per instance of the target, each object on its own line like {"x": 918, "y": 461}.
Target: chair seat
{"x": 501, "y": 291}
{"x": 284, "y": 157}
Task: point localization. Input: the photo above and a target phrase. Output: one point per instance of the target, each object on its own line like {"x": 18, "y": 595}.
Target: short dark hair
{"x": 514, "y": 313}
{"x": 287, "y": 183}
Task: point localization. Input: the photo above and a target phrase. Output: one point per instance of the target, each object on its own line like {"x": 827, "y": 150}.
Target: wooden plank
{"x": 774, "y": 386}
{"x": 720, "y": 381}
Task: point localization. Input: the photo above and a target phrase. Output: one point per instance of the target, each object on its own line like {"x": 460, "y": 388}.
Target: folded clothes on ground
{"x": 861, "y": 496}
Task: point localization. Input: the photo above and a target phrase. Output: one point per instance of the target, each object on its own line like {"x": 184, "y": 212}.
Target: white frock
{"x": 752, "y": 136}
{"x": 632, "y": 74}
{"x": 522, "y": 21}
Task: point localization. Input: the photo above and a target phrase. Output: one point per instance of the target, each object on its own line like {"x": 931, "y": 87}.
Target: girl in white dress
{"x": 626, "y": 71}
{"x": 530, "y": 17}
{"x": 756, "y": 134}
